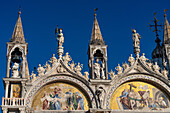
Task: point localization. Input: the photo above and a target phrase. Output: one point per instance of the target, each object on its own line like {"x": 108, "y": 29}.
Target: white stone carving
{"x": 61, "y": 69}
{"x": 33, "y": 76}
{"x": 136, "y": 42}
{"x": 78, "y": 68}
{"x": 143, "y": 58}
{"x": 165, "y": 73}
{"x": 119, "y": 69}
{"x": 60, "y": 38}
{"x": 67, "y": 58}
{"x": 86, "y": 75}
{"x": 97, "y": 69}
{"x": 40, "y": 70}
{"x": 156, "y": 68}
{"x": 72, "y": 65}
{"x": 112, "y": 74}
{"x": 131, "y": 60}
{"x": 53, "y": 60}
{"x": 125, "y": 66}
{"x": 15, "y": 72}
{"x": 100, "y": 93}
{"x": 48, "y": 67}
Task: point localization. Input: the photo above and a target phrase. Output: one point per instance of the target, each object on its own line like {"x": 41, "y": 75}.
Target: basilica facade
{"x": 140, "y": 85}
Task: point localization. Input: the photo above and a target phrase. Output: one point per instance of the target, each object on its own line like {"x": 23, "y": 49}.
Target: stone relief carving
{"x": 15, "y": 72}
{"x": 40, "y": 70}
{"x": 61, "y": 69}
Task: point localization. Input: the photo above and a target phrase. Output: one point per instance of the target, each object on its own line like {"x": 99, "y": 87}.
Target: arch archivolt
{"x": 60, "y": 78}
{"x": 136, "y": 77}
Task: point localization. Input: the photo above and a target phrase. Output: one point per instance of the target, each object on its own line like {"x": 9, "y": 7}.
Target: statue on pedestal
{"x": 15, "y": 72}
{"x": 97, "y": 69}
{"x": 136, "y": 41}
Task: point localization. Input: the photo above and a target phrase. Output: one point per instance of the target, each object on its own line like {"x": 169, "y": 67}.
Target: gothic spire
{"x": 96, "y": 37}
{"x": 166, "y": 28}
{"x": 18, "y": 34}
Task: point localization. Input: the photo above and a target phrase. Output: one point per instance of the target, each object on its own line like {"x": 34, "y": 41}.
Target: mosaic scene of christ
{"x": 138, "y": 96}
{"x": 60, "y": 96}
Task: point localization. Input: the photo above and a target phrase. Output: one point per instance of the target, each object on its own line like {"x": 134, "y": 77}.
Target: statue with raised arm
{"x": 97, "y": 69}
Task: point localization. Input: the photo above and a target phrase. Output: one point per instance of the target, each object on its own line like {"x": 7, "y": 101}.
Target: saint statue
{"x": 53, "y": 60}
{"x": 60, "y": 38}
{"x": 136, "y": 39}
{"x": 78, "y": 68}
{"x": 33, "y": 76}
{"x": 15, "y": 73}
{"x": 67, "y": 58}
{"x": 97, "y": 69}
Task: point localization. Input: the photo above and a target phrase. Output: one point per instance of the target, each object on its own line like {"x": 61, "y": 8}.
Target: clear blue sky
{"x": 115, "y": 17}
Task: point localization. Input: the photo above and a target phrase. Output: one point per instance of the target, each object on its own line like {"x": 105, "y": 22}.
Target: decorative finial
{"x": 156, "y": 28}
{"x": 95, "y": 12}
{"x": 136, "y": 42}
{"x": 165, "y": 10}
{"x": 19, "y": 10}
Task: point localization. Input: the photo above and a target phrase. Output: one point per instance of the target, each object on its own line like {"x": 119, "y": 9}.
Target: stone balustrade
{"x": 12, "y": 101}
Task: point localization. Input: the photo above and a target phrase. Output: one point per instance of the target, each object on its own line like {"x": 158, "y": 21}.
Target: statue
{"x": 60, "y": 38}
{"x": 53, "y": 60}
{"x": 149, "y": 64}
{"x": 131, "y": 60}
{"x": 48, "y": 67}
{"x": 136, "y": 41}
{"x": 143, "y": 58}
{"x": 33, "y": 76}
{"x": 112, "y": 74}
{"x": 86, "y": 75}
{"x": 119, "y": 69}
{"x": 125, "y": 66}
{"x": 15, "y": 73}
{"x": 97, "y": 69}
{"x": 165, "y": 73}
{"x": 78, "y": 68}
{"x": 72, "y": 65}
{"x": 100, "y": 93}
{"x": 40, "y": 70}
{"x": 67, "y": 58}
{"x": 102, "y": 71}
{"x": 156, "y": 68}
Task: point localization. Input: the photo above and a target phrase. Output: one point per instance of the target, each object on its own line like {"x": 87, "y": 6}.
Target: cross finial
{"x": 156, "y": 28}
{"x": 165, "y": 10}
{"x": 95, "y": 12}
{"x": 19, "y": 10}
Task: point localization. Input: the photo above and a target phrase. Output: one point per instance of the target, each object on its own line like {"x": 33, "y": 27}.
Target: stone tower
{"x": 166, "y": 42}
{"x": 17, "y": 70}
{"x": 97, "y": 53}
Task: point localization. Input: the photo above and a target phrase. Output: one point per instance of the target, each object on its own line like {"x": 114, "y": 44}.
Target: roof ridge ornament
{"x": 136, "y": 42}
{"x": 60, "y": 39}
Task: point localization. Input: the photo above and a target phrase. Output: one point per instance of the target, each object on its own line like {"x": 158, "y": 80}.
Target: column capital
{"x": 7, "y": 82}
